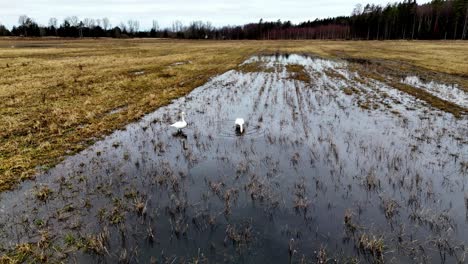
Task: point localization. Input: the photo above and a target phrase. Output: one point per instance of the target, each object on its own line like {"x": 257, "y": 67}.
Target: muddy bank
{"x": 335, "y": 166}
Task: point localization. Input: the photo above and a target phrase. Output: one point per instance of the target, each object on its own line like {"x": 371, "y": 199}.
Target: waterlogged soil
{"x": 339, "y": 167}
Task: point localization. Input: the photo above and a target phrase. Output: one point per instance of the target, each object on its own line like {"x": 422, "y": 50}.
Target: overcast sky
{"x": 219, "y": 12}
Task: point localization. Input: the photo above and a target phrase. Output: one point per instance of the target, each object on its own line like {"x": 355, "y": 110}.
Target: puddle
{"x": 317, "y": 175}
{"x": 451, "y": 93}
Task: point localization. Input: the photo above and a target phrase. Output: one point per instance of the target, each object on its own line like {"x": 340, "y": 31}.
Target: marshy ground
{"x": 342, "y": 161}
{"x": 58, "y": 96}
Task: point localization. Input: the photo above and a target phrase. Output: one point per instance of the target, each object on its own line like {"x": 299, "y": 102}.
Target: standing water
{"x": 332, "y": 166}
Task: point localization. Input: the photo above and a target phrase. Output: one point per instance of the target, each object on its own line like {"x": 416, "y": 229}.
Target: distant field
{"x": 58, "y": 96}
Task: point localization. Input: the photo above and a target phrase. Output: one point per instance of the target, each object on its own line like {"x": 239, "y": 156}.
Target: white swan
{"x": 180, "y": 124}
{"x": 240, "y": 124}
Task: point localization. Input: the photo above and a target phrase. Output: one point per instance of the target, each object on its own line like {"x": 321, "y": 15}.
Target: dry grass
{"x": 434, "y": 101}
{"x": 441, "y": 56}
{"x": 254, "y": 67}
{"x": 298, "y": 72}
{"x": 58, "y": 96}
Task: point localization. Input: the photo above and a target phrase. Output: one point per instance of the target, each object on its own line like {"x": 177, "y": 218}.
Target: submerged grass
{"x": 256, "y": 66}
{"x": 298, "y": 72}
{"x": 106, "y": 214}
{"x": 58, "y": 96}
{"x": 433, "y": 100}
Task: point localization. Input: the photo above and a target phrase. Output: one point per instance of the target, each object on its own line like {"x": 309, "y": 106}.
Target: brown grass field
{"x": 58, "y": 96}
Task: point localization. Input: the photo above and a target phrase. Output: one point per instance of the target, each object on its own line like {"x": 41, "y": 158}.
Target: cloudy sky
{"x": 218, "y": 12}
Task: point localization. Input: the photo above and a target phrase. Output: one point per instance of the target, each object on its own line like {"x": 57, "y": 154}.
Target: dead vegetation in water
{"x": 390, "y": 207}
{"x": 438, "y": 222}
{"x": 382, "y": 72}
{"x": 39, "y": 120}
{"x": 351, "y": 90}
{"x": 371, "y": 181}
{"x": 298, "y": 72}
{"x": 43, "y": 83}
{"x": 301, "y": 202}
{"x": 21, "y": 253}
{"x": 372, "y": 245}
{"x": 322, "y": 256}
{"x": 43, "y": 193}
{"x": 255, "y": 66}
{"x": 351, "y": 227}
{"x": 126, "y": 203}
{"x": 98, "y": 244}
{"x": 368, "y": 104}
{"x": 334, "y": 74}
{"x": 30, "y": 253}
{"x": 239, "y": 235}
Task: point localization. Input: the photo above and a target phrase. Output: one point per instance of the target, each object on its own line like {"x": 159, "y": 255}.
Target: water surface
{"x": 339, "y": 168}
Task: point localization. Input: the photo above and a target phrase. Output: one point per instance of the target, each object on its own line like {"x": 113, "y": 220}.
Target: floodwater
{"x": 320, "y": 174}
{"x": 451, "y": 93}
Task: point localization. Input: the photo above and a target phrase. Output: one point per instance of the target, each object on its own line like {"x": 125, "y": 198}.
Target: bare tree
{"x": 155, "y": 25}
{"x": 466, "y": 25}
{"x": 23, "y": 19}
{"x": 177, "y": 26}
{"x": 89, "y": 22}
{"x": 105, "y": 23}
{"x": 53, "y": 22}
{"x": 80, "y": 29}
{"x": 357, "y": 10}
{"x": 92, "y": 23}
{"x": 130, "y": 26}
{"x": 133, "y": 26}
{"x": 25, "y": 22}
{"x": 137, "y": 26}
{"x": 209, "y": 26}
{"x": 122, "y": 27}
{"x": 74, "y": 21}
{"x": 86, "y": 22}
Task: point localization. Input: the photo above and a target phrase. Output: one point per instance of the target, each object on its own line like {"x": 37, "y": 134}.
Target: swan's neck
{"x": 241, "y": 128}
{"x": 183, "y": 118}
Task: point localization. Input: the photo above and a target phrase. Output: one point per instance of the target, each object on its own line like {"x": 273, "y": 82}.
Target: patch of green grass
{"x": 39, "y": 222}
{"x": 69, "y": 239}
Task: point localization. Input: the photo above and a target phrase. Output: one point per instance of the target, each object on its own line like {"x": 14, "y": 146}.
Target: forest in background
{"x": 439, "y": 19}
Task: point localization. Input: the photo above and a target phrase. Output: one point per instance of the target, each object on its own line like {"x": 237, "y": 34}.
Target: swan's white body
{"x": 240, "y": 123}
{"x": 180, "y": 124}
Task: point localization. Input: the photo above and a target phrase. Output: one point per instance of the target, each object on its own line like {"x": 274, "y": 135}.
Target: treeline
{"x": 408, "y": 20}
{"x": 439, "y": 19}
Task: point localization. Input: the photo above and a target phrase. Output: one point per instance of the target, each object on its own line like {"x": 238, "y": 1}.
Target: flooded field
{"x": 333, "y": 166}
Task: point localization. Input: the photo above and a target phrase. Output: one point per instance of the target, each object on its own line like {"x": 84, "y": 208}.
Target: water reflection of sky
{"x": 310, "y": 153}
